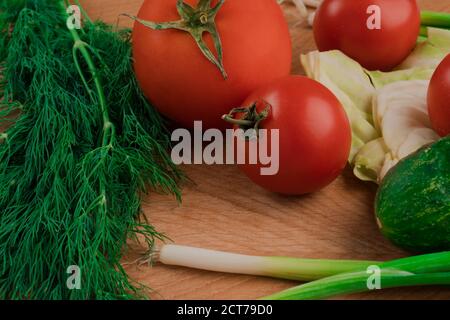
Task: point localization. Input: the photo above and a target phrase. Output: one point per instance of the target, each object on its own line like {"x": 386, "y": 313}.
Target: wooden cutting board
{"x": 223, "y": 210}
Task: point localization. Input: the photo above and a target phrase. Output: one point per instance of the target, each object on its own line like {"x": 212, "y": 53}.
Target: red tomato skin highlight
{"x": 439, "y": 98}
{"x": 342, "y": 25}
{"x": 183, "y": 85}
{"x": 315, "y": 136}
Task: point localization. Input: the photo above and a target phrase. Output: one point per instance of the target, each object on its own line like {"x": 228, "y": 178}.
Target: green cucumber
{"x": 413, "y": 202}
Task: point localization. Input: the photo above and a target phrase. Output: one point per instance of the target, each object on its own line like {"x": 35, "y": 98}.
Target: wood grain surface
{"x": 223, "y": 210}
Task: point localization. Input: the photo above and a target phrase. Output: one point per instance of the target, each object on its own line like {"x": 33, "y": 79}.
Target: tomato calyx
{"x": 196, "y": 22}
{"x": 251, "y": 119}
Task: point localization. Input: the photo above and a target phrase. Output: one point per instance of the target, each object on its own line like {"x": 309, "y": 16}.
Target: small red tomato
{"x": 314, "y": 136}
{"x": 379, "y": 34}
{"x": 439, "y": 98}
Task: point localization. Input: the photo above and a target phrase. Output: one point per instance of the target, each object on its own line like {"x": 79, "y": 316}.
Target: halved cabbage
{"x": 401, "y": 113}
{"x": 387, "y": 110}
{"x": 430, "y": 53}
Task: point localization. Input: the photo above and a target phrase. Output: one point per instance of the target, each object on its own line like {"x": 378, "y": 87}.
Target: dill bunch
{"x": 77, "y": 158}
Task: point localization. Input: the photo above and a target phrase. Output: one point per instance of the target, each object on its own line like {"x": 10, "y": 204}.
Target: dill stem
{"x": 108, "y": 127}
{"x": 108, "y": 132}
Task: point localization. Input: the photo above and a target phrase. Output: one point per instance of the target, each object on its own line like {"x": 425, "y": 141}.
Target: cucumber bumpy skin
{"x": 413, "y": 202}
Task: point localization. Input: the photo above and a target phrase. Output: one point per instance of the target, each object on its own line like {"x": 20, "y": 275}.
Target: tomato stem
{"x": 251, "y": 120}
{"x": 195, "y": 21}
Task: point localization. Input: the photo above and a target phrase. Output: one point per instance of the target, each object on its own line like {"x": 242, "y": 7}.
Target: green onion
{"x": 435, "y": 19}
{"x": 276, "y": 267}
{"x": 357, "y": 282}
{"x": 431, "y": 269}
{"x": 332, "y": 277}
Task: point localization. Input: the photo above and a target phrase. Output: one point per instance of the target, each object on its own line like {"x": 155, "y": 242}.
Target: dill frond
{"x": 71, "y": 183}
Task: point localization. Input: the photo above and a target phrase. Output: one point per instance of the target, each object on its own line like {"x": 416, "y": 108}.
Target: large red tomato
{"x": 184, "y": 85}
{"x": 439, "y": 98}
{"x": 314, "y": 136}
{"x": 350, "y": 26}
